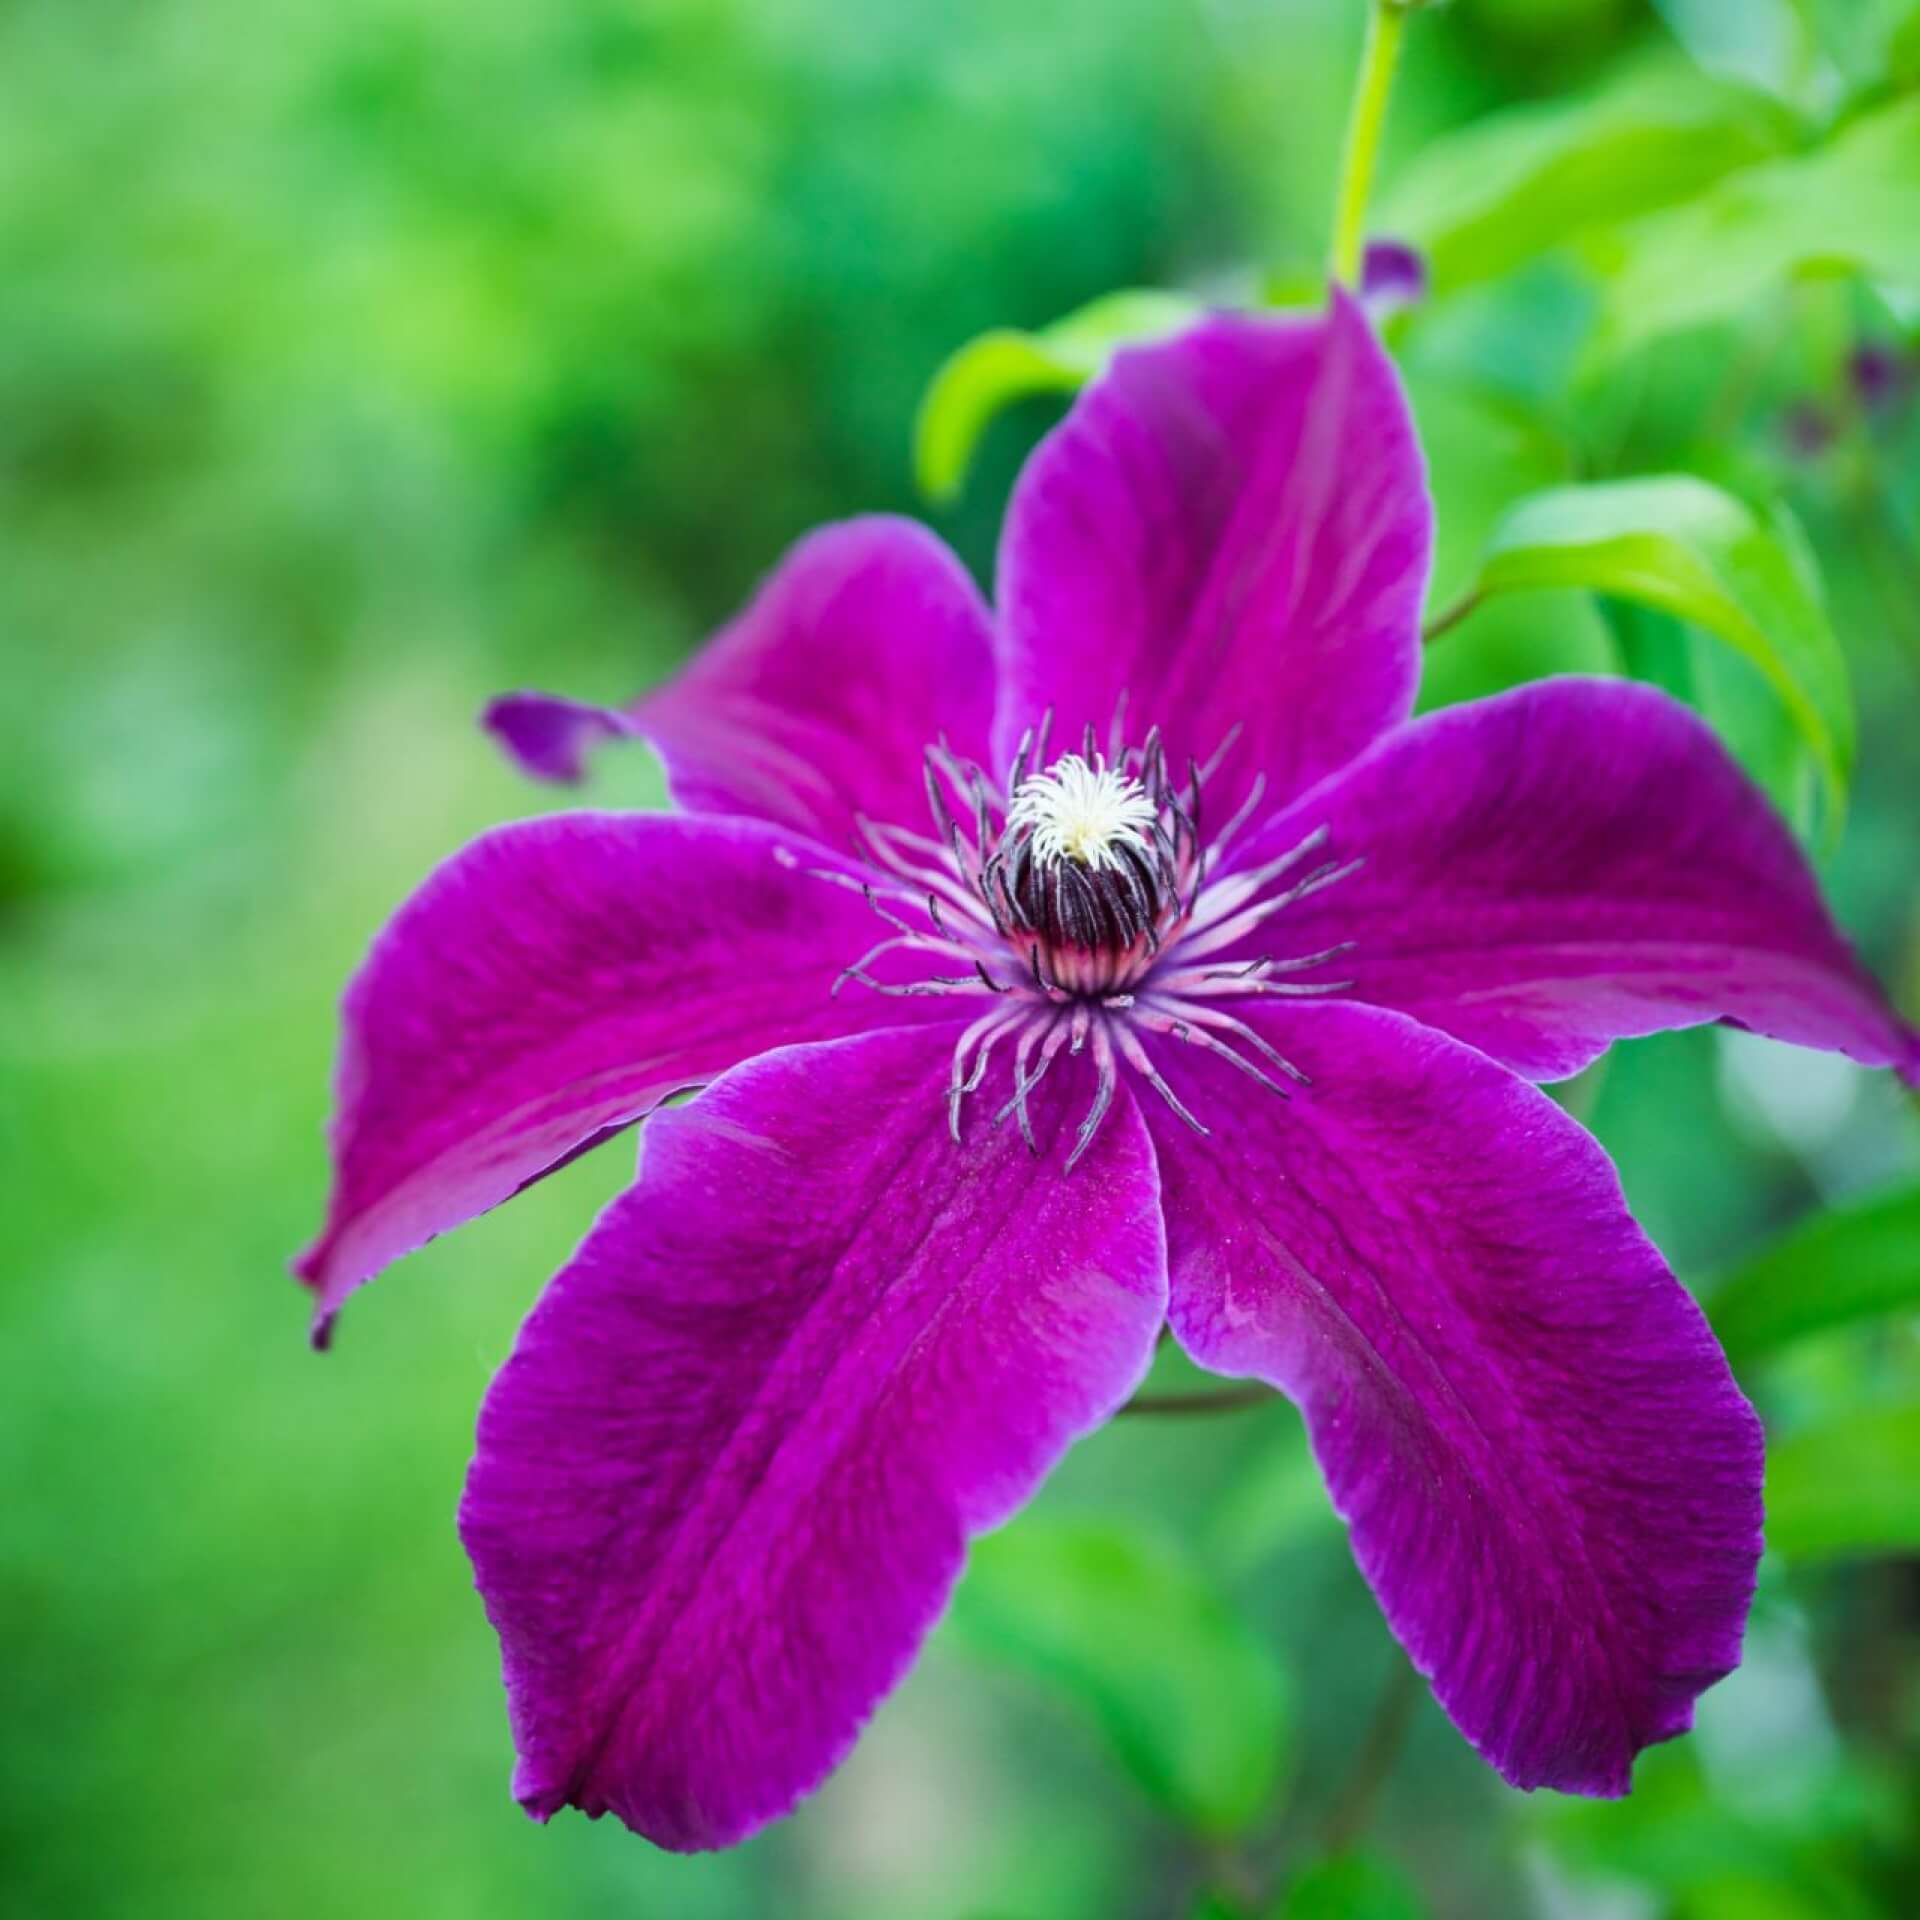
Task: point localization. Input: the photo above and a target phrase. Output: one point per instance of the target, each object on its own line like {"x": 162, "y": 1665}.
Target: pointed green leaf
{"x": 991, "y": 372}
{"x": 1848, "y": 1486}
{"x": 1845, "y": 207}
{"x": 1683, "y": 547}
{"x": 1854, "y": 1263}
{"x": 1523, "y": 182}
{"x": 1190, "y": 1702}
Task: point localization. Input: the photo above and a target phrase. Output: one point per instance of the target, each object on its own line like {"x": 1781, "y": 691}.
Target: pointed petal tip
{"x": 308, "y": 1267}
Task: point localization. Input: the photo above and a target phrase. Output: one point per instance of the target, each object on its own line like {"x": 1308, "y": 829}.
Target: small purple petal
{"x": 548, "y": 737}
{"x": 1569, "y": 864}
{"x": 725, "y": 1482}
{"x": 1231, "y": 531}
{"x": 867, "y": 645}
{"x": 1551, "y": 1480}
{"x": 1393, "y": 277}
{"x": 553, "y": 982}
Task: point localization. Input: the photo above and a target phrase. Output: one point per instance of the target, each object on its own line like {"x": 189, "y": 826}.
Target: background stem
{"x": 1373, "y": 88}
{"x": 1353, "y": 1805}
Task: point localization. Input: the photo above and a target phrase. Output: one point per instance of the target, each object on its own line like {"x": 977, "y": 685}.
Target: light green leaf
{"x": 1684, "y": 547}
{"x": 1851, "y": 1264}
{"x": 1846, "y": 207}
{"x": 1524, "y": 182}
{"x": 991, "y": 372}
{"x": 1191, "y": 1703}
{"x": 1850, "y": 1485}
{"x": 1354, "y": 1886}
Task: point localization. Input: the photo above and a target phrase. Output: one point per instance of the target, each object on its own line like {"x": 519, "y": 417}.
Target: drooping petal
{"x": 1563, "y": 866}
{"x": 1551, "y": 1480}
{"x": 725, "y": 1481}
{"x": 868, "y": 644}
{"x": 1231, "y": 530}
{"x": 551, "y": 983}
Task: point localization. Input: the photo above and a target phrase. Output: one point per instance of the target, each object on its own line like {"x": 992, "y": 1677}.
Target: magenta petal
{"x": 1566, "y": 865}
{"x": 1232, "y": 530}
{"x": 555, "y": 980}
{"x": 1552, "y": 1482}
{"x": 725, "y": 1481}
{"x": 867, "y": 645}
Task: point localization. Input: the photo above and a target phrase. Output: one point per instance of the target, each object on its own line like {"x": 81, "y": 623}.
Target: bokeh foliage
{"x": 360, "y": 359}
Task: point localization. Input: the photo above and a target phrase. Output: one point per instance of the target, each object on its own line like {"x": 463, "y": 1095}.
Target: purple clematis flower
{"x": 1127, "y": 959}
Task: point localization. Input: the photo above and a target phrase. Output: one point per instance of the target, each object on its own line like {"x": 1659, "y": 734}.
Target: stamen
{"x": 1222, "y": 934}
{"x": 1136, "y": 1057}
{"x": 1102, "y": 1095}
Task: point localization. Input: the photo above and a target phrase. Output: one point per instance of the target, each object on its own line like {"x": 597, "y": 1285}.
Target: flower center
{"x": 1079, "y": 903}
{"x": 1084, "y": 812}
{"x": 1086, "y": 876}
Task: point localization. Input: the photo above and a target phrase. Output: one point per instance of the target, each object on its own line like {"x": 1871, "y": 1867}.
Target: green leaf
{"x": 1354, "y": 1886}
{"x": 1854, "y": 1263}
{"x": 1903, "y": 52}
{"x": 1683, "y": 547}
{"x": 1524, "y": 182}
{"x": 991, "y": 372}
{"x": 1191, "y": 1703}
{"x": 1849, "y": 1485}
{"x": 1846, "y": 207}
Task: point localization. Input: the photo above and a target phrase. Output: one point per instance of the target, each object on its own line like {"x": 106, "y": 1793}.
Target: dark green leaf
{"x": 1524, "y": 182}
{"x": 1190, "y": 1702}
{"x": 1354, "y": 1886}
{"x": 991, "y": 372}
{"x": 1677, "y": 544}
{"x": 1846, "y": 207}
{"x": 1848, "y": 1485}
{"x": 1852, "y": 1264}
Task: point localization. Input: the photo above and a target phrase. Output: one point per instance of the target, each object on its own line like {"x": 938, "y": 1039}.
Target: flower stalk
{"x": 1366, "y": 122}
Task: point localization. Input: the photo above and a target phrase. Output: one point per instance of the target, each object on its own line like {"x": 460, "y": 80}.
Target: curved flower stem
{"x": 1353, "y": 1805}
{"x": 1386, "y": 28}
{"x": 1232, "y": 1400}
{"x": 1448, "y": 618}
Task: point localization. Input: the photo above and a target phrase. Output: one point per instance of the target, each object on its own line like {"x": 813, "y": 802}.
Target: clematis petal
{"x": 551, "y": 983}
{"x": 725, "y": 1481}
{"x": 1568, "y": 864}
{"x": 1231, "y": 530}
{"x": 1551, "y": 1480}
{"x": 867, "y": 645}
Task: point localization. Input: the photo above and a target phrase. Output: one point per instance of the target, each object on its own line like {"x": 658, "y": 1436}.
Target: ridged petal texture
{"x": 725, "y": 1481}
{"x": 1551, "y": 1479}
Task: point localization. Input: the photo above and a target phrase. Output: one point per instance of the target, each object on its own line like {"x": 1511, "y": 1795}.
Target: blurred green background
{"x": 361, "y": 359}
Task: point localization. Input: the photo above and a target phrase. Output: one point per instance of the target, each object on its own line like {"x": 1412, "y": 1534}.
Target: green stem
{"x": 1353, "y": 1804}
{"x": 1386, "y": 29}
{"x": 1213, "y": 1401}
{"x": 1445, "y": 621}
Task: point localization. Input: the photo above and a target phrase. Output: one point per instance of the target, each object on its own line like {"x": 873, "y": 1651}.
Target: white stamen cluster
{"x": 1083, "y": 811}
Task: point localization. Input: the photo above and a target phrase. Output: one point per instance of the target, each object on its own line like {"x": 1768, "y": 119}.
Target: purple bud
{"x": 1393, "y": 276}
{"x": 1879, "y": 376}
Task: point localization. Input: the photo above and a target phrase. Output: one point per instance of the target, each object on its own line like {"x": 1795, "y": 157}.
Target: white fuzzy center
{"x": 1082, "y": 812}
